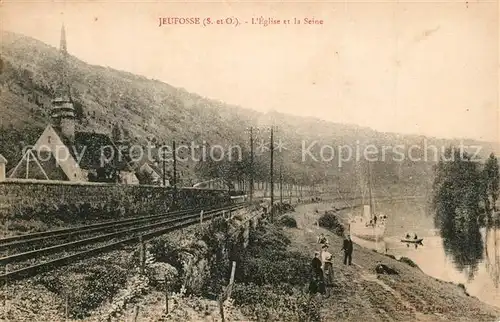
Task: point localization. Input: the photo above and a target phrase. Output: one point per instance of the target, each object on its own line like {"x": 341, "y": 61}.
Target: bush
{"x": 98, "y": 284}
{"x": 267, "y": 237}
{"x": 273, "y": 268}
{"x": 288, "y": 221}
{"x": 390, "y": 256}
{"x": 167, "y": 251}
{"x": 331, "y": 222}
{"x": 408, "y": 261}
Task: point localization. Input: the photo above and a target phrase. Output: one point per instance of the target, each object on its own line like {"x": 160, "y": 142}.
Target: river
{"x": 470, "y": 256}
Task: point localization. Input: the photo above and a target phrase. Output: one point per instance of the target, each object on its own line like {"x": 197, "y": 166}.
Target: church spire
{"x": 62, "y": 45}
{"x": 63, "y": 89}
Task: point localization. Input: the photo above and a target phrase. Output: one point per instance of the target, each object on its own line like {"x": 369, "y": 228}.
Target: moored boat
{"x": 414, "y": 241}
{"x": 369, "y": 226}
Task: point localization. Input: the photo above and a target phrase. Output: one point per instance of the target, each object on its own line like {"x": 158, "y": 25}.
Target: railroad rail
{"x": 30, "y": 239}
{"x": 173, "y": 221}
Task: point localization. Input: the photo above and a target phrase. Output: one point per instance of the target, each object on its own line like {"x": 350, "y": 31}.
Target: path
{"x": 358, "y": 294}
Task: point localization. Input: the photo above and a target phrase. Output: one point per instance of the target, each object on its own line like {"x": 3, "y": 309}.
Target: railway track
{"x": 127, "y": 231}
{"x": 29, "y": 240}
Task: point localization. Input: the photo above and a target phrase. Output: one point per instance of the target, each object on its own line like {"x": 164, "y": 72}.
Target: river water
{"x": 470, "y": 257}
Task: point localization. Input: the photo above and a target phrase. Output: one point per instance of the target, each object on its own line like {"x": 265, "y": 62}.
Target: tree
{"x": 457, "y": 188}
{"x": 491, "y": 179}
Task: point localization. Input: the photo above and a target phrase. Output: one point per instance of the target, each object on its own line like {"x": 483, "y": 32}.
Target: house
{"x": 3, "y": 163}
{"x": 155, "y": 173}
{"x": 151, "y": 170}
{"x": 78, "y": 158}
{"x": 64, "y": 154}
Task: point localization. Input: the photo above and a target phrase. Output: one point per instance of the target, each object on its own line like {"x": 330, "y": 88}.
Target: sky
{"x": 427, "y": 68}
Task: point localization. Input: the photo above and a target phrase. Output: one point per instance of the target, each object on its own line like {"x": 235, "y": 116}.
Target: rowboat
{"x": 414, "y": 241}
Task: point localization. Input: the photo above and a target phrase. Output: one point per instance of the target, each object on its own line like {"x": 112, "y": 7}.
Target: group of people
{"x": 408, "y": 236}
{"x": 322, "y": 265}
{"x": 373, "y": 222}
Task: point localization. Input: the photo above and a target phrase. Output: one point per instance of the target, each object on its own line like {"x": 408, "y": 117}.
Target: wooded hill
{"x": 156, "y": 111}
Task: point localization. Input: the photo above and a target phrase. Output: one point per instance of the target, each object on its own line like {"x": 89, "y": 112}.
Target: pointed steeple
{"x": 62, "y": 45}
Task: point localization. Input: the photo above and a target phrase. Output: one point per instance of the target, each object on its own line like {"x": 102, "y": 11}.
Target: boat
{"x": 370, "y": 226}
{"x": 414, "y": 241}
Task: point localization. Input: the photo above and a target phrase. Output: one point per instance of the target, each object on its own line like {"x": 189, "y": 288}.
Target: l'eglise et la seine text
{"x": 294, "y": 21}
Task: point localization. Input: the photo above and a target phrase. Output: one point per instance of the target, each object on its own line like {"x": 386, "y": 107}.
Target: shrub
{"x": 166, "y": 251}
{"x": 288, "y": 221}
{"x": 390, "y": 256}
{"x": 331, "y": 222}
{"x": 98, "y": 284}
{"x": 408, "y": 261}
{"x": 274, "y": 267}
{"x": 101, "y": 286}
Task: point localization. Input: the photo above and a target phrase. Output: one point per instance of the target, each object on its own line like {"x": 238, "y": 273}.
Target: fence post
{"x": 231, "y": 281}
{"x": 142, "y": 254}
{"x": 66, "y": 306}
{"x": 136, "y": 313}
{"x": 166, "y": 292}
{"x": 201, "y": 217}
{"x": 221, "y": 307}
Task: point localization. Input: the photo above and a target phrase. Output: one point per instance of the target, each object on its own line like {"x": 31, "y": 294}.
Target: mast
{"x": 370, "y": 190}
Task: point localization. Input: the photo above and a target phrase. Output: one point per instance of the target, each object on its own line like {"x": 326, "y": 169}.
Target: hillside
{"x": 152, "y": 110}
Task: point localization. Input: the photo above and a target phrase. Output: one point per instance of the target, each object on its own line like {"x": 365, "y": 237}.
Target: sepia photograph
{"x": 249, "y": 161}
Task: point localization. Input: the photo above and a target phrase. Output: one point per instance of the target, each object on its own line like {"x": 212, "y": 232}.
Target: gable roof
{"x": 144, "y": 159}
{"x": 153, "y": 167}
{"x": 3, "y": 159}
{"x": 39, "y": 166}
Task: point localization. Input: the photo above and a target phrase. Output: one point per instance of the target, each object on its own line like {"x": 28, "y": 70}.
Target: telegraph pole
{"x": 164, "y": 169}
{"x": 251, "y": 164}
{"x": 174, "y": 181}
{"x": 281, "y": 184}
{"x": 175, "y": 165}
{"x": 272, "y": 181}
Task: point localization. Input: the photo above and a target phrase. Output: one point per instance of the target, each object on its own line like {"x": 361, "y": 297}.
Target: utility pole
{"x": 251, "y": 164}
{"x": 174, "y": 181}
{"x": 164, "y": 169}
{"x": 272, "y": 181}
{"x": 175, "y": 165}
{"x": 281, "y": 183}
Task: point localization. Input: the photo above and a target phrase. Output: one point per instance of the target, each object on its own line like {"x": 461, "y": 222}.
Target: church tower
{"x": 63, "y": 111}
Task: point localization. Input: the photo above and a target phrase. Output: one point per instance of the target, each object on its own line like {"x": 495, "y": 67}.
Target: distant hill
{"x": 152, "y": 110}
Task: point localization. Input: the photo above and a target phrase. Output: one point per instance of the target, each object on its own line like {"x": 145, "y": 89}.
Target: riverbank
{"x": 362, "y": 294}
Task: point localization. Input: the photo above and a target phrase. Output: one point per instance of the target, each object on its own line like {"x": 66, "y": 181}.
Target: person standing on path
{"x": 324, "y": 255}
{"x": 317, "y": 284}
{"x": 347, "y": 248}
